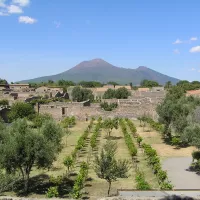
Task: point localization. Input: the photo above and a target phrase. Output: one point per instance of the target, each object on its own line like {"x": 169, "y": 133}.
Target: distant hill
{"x": 102, "y": 71}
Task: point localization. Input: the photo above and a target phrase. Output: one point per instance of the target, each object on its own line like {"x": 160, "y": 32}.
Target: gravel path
{"x": 179, "y": 175}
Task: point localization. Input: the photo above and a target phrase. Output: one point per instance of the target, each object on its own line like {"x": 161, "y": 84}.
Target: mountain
{"x": 102, "y": 71}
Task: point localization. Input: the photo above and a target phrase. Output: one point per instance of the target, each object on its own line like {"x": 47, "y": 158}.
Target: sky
{"x": 46, "y": 37}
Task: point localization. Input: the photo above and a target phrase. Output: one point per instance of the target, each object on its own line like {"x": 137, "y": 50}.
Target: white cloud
{"x": 193, "y": 69}
{"x": 199, "y": 71}
{"x": 13, "y": 9}
{"x": 176, "y": 51}
{"x": 57, "y": 24}
{"x": 193, "y": 39}
{"x": 27, "y": 20}
{"x": 178, "y": 41}
{"x": 195, "y": 49}
{"x": 21, "y": 2}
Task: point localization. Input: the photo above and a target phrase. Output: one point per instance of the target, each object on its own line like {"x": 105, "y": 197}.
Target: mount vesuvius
{"x": 102, "y": 71}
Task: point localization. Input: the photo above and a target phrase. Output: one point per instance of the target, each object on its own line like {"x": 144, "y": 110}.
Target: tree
{"x": 122, "y": 93}
{"x": 109, "y": 94}
{"x": 112, "y": 83}
{"x": 168, "y": 85}
{"x": 39, "y": 119}
{"x": 109, "y": 124}
{"x": 68, "y": 162}
{"x": 149, "y": 83}
{"x": 107, "y": 167}
{"x": 23, "y": 147}
{"x": 79, "y": 94}
{"x": 21, "y": 110}
{"x": 3, "y": 81}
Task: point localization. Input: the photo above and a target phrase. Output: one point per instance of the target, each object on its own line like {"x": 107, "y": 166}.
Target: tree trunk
{"x": 26, "y": 183}
{"x": 109, "y": 186}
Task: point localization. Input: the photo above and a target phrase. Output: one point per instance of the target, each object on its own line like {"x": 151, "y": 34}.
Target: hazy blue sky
{"x": 44, "y": 37}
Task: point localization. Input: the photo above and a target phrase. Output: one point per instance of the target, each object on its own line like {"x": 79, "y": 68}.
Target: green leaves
{"x": 93, "y": 140}
{"x": 129, "y": 142}
{"x": 142, "y": 184}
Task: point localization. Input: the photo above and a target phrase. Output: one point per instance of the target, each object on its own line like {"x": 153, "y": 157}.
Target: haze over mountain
{"x": 102, "y": 71}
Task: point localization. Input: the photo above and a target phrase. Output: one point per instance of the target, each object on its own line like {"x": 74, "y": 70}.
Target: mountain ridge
{"x": 102, "y": 71}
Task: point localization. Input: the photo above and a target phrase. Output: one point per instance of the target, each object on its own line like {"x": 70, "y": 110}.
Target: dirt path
{"x": 179, "y": 175}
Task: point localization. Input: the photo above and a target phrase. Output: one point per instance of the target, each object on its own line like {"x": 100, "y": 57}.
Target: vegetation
{"x": 21, "y": 110}
{"x": 4, "y": 102}
{"x": 149, "y": 83}
{"x": 79, "y": 182}
{"x": 90, "y": 84}
{"x": 129, "y": 142}
{"x": 142, "y": 184}
{"x": 107, "y": 167}
{"x": 177, "y": 114}
{"x": 22, "y": 148}
{"x": 3, "y": 81}
{"x": 109, "y": 124}
{"x": 108, "y": 107}
{"x": 120, "y": 93}
{"x": 81, "y": 94}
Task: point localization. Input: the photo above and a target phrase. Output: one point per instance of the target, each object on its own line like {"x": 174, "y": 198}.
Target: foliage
{"x": 129, "y": 142}
{"x": 39, "y": 119}
{"x": 93, "y": 140}
{"x": 112, "y": 83}
{"x": 4, "y": 102}
{"x": 132, "y": 127}
{"x": 139, "y": 140}
{"x": 109, "y": 94}
{"x": 22, "y": 148}
{"x": 68, "y": 162}
{"x": 149, "y": 83}
{"x": 20, "y": 110}
{"x": 196, "y": 155}
{"x": 108, "y": 107}
{"x": 175, "y": 141}
{"x": 79, "y": 94}
{"x": 108, "y": 168}
{"x": 79, "y": 182}
{"x": 142, "y": 184}
{"x": 109, "y": 124}
{"x": 90, "y": 84}
{"x": 3, "y": 81}
{"x": 52, "y": 192}
{"x": 186, "y": 85}
{"x": 120, "y": 93}
{"x": 68, "y": 122}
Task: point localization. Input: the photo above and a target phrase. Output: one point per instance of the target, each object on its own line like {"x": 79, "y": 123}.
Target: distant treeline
{"x": 184, "y": 84}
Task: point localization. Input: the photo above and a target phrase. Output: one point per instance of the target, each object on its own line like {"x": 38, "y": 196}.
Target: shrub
{"x": 52, "y": 192}
{"x": 142, "y": 184}
{"x": 196, "y": 155}
{"x": 108, "y": 107}
{"x": 175, "y": 141}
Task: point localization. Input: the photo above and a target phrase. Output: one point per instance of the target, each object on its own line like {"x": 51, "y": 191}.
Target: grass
{"x": 96, "y": 187}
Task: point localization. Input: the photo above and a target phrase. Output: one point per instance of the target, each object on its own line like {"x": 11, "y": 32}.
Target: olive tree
{"x": 22, "y": 148}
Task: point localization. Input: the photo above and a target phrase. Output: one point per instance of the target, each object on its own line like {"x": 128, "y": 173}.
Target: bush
{"x": 142, "y": 184}
{"x": 196, "y": 155}
{"x": 175, "y": 141}
{"x": 52, "y": 192}
{"x": 108, "y": 107}
{"x": 4, "y": 102}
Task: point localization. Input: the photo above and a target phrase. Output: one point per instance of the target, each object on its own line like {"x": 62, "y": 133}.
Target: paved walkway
{"x": 181, "y": 178}
{"x": 159, "y": 194}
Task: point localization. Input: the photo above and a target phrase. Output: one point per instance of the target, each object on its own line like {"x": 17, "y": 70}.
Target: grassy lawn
{"x": 164, "y": 150}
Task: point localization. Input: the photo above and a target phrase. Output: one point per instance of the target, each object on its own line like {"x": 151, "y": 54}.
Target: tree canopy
{"x": 120, "y": 93}
{"x": 23, "y": 147}
{"x": 149, "y": 83}
{"x": 81, "y": 94}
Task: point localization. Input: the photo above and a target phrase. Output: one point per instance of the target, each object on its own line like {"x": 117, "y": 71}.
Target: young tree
{"x": 109, "y": 94}
{"x": 23, "y": 147}
{"x": 108, "y": 168}
{"x": 109, "y": 124}
{"x": 68, "y": 162}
